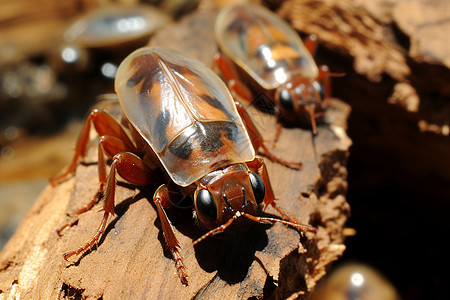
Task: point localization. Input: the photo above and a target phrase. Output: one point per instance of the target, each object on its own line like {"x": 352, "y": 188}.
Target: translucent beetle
{"x": 113, "y": 25}
{"x": 108, "y": 30}
{"x": 270, "y": 52}
{"x": 184, "y": 123}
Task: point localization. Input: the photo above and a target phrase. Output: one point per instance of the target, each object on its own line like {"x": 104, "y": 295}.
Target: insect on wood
{"x": 184, "y": 123}
{"x": 260, "y": 45}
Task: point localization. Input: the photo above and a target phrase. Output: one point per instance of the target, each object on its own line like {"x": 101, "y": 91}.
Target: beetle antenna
{"x": 216, "y": 230}
{"x": 264, "y": 220}
{"x": 304, "y": 228}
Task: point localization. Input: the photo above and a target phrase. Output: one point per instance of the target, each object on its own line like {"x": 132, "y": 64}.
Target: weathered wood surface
{"x": 396, "y": 58}
{"x": 131, "y": 260}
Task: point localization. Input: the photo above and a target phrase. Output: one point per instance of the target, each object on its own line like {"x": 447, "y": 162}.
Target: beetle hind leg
{"x": 105, "y": 125}
{"x": 107, "y": 208}
{"x": 257, "y": 139}
{"x": 111, "y": 145}
{"x": 259, "y": 167}
{"x": 130, "y": 167}
{"x": 310, "y": 43}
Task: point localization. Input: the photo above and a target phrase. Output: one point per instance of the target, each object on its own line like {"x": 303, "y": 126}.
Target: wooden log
{"x": 131, "y": 259}
{"x": 396, "y": 60}
{"x": 395, "y": 55}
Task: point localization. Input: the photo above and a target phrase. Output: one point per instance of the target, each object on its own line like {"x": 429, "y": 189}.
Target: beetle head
{"x": 298, "y": 96}
{"x": 225, "y": 193}
{"x": 228, "y": 194}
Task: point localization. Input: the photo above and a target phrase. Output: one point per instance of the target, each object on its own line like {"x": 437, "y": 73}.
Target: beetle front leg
{"x": 161, "y": 200}
{"x": 259, "y": 167}
{"x": 324, "y": 79}
{"x": 257, "y": 140}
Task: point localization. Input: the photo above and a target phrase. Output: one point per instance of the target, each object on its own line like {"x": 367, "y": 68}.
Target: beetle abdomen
{"x": 208, "y": 136}
{"x": 184, "y": 111}
{"x": 262, "y": 44}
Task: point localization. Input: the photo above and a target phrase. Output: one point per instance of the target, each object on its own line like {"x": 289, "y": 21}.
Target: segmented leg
{"x": 229, "y": 72}
{"x": 324, "y": 78}
{"x": 259, "y": 167}
{"x": 105, "y": 125}
{"x": 113, "y": 140}
{"x": 257, "y": 139}
{"x": 277, "y": 132}
{"x": 161, "y": 200}
{"x": 130, "y": 167}
{"x": 311, "y": 43}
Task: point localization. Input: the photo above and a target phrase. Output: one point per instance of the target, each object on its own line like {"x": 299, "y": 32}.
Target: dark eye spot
{"x": 206, "y": 206}
{"x": 286, "y": 100}
{"x": 259, "y": 191}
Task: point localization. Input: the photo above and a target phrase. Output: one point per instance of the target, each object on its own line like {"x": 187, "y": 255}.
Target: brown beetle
{"x": 265, "y": 48}
{"x": 184, "y": 123}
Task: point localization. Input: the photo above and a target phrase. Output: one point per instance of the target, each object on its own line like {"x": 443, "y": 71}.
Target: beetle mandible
{"x": 257, "y": 43}
{"x": 184, "y": 122}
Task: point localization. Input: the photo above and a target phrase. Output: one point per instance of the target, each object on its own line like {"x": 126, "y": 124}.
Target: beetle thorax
{"x": 232, "y": 192}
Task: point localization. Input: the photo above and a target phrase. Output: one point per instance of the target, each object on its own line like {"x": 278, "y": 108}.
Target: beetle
{"x": 184, "y": 122}
{"x": 106, "y": 33}
{"x": 259, "y": 44}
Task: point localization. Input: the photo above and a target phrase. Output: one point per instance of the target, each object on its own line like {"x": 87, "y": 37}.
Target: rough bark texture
{"x": 396, "y": 58}
{"x": 131, "y": 260}
{"x": 395, "y": 54}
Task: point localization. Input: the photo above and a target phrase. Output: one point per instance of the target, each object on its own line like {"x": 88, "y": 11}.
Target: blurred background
{"x": 57, "y": 57}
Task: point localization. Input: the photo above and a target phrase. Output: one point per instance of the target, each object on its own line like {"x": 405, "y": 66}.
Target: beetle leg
{"x": 259, "y": 167}
{"x": 311, "y": 43}
{"x": 104, "y": 124}
{"x": 257, "y": 140}
{"x": 161, "y": 200}
{"x": 231, "y": 76}
{"x": 111, "y": 145}
{"x": 278, "y": 129}
{"x": 108, "y": 208}
{"x": 133, "y": 169}
{"x": 324, "y": 78}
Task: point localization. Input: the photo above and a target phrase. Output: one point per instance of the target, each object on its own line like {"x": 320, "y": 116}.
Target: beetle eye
{"x": 286, "y": 100}
{"x": 259, "y": 191}
{"x": 206, "y": 206}
{"x": 319, "y": 88}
